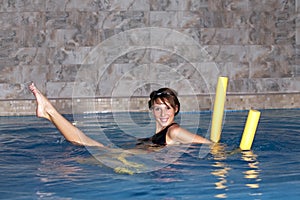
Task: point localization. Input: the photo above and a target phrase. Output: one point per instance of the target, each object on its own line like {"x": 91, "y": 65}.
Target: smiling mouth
{"x": 164, "y": 119}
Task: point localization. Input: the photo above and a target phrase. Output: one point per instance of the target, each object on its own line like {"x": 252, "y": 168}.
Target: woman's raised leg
{"x": 46, "y": 110}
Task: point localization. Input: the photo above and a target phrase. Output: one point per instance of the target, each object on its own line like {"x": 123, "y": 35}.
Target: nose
{"x": 163, "y": 112}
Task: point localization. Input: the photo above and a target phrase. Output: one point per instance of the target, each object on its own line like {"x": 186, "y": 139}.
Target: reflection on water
{"x": 55, "y": 172}
{"x": 221, "y": 172}
{"x": 50, "y": 170}
{"x": 251, "y": 172}
{"x": 222, "y": 169}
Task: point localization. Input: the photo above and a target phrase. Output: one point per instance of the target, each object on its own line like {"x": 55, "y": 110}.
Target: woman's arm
{"x": 177, "y": 134}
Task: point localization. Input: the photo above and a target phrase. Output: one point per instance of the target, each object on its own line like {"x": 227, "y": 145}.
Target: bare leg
{"x": 46, "y": 110}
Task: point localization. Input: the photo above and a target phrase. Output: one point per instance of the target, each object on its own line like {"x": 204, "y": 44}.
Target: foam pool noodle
{"x": 249, "y": 130}
{"x": 218, "y": 110}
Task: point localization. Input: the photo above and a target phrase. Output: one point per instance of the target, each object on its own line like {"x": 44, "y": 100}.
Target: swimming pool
{"x": 36, "y": 163}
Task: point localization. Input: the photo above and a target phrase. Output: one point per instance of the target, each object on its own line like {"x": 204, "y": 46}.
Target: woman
{"x": 163, "y": 103}
{"x": 165, "y": 106}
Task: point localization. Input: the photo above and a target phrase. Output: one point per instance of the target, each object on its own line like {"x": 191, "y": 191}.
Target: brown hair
{"x": 165, "y": 95}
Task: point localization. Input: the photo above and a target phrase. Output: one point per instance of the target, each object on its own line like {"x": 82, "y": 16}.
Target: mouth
{"x": 164, "y": 120}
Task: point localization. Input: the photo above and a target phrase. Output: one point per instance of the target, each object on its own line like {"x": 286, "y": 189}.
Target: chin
{"x": 165, "y": 123}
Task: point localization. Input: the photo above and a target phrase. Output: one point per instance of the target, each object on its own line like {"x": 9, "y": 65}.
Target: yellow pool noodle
{"x": 218, "y": 110}
{"x": 249, "y": 130}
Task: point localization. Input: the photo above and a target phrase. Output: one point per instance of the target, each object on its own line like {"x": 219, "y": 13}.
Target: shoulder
{"x": 174, "y": 130}
{"x": 172, "y": 134}
{"x": 174, "y": 126}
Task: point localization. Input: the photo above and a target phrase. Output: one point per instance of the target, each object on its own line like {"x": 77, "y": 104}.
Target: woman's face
{"x": 164, "y": 114}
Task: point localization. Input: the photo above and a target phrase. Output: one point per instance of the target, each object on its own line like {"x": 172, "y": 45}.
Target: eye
{"x": 156, "y": 109}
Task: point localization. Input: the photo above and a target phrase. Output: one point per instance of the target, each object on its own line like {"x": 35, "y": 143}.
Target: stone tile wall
{"x": 113, "y": 53}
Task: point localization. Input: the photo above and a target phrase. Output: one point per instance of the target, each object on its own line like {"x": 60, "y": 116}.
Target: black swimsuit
{"x": 160, "y": 137}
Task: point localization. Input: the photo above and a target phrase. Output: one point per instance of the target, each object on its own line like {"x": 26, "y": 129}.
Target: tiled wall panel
{"x": 69, "y": 45}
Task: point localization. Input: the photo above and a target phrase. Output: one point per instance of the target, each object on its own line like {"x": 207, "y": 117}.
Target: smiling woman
{"x": 163, "y": 103}
{"x": 165, "y": 106}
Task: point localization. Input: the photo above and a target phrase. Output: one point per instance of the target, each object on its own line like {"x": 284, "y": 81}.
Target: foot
{"x": 44, "y": 107}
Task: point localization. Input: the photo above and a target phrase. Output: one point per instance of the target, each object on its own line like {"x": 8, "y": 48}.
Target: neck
{"x": 160, "y": 128}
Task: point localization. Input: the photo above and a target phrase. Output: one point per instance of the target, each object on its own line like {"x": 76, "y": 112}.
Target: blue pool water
{"x": 37, "y": 163}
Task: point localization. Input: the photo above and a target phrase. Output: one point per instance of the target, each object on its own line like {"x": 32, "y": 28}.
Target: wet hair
{"x": 164, "y": 95}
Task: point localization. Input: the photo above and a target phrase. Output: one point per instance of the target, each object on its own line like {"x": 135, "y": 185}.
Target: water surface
{"x": 37, "y": 163}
